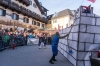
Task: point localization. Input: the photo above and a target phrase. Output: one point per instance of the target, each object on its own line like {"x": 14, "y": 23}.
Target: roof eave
{"x": 39, "y": 6}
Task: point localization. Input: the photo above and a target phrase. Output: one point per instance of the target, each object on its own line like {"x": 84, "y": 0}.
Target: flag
{"x": 92, "y": 1}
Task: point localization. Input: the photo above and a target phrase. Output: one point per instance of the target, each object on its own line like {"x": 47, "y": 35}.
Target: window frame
{"x": 54, "y": 21}
{"x": 34, "y": 5}
{"x": 17, "y": 16}
{"x": 26, "y": 20}
{"x": 3, "y": 12}
{"x": 30, "y": 2}
{"x": 49, "y": 22}
{"x": 38, "y": 24}
{"x": 43, "y": 25}
{"x": 35, "y": 22}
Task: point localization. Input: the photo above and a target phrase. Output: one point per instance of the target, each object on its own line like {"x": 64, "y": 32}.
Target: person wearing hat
{"x": 54, "y": 45}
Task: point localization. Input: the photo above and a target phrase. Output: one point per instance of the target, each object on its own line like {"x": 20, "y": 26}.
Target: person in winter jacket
{"x": 54, "y": 45}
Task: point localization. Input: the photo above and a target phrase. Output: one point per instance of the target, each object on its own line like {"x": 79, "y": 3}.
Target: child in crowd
{"x": 13, "y": 44}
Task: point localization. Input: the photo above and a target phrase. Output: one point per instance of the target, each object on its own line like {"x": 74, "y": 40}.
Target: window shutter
{"x": 4, "y": 12}
{"x": 27, "y": 20}
{"x": 24, "y": 19}
{"x": 12, "y": 15}
{"x": 34, "y": 23}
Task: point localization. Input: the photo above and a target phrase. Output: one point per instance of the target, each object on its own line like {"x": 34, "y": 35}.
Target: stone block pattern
{"x": 83, "y": 40}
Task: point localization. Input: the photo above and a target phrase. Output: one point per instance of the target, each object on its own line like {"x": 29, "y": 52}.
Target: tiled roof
{"x": 63, "y": 13}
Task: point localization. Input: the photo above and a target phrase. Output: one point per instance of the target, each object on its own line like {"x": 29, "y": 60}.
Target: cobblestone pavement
{"x": 31, "y": 56}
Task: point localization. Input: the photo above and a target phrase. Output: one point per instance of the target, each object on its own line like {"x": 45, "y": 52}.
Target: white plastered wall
{"x": 62, "y": 21}
{"x": 30, "y": 7}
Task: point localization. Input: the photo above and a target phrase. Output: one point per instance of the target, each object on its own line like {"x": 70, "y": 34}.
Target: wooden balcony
{"x": 29, "y": 13}
{"x": 24, "y": 11}
{"x": 4, "y": 3}
{"x": 26, "y": 2}
{"x": 14, "y": 7}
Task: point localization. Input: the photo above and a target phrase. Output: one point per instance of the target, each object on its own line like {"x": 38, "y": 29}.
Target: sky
{"x": 59, "y": 5}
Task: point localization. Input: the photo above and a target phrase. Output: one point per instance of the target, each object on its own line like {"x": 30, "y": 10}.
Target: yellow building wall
{"x": 49, "y": 25}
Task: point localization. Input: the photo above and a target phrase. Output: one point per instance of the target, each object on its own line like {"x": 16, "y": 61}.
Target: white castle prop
{"x": 83, "y": 40}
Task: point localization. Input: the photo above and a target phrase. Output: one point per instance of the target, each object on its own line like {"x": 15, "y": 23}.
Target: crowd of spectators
{"x": 13, "y": 38}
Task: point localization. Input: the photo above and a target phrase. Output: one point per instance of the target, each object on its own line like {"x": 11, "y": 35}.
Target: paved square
{"x": 31, "y": 56}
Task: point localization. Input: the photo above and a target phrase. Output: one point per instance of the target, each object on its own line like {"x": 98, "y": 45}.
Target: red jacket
{"x": 88, "y": 8}
{"x": 99, "y": 53}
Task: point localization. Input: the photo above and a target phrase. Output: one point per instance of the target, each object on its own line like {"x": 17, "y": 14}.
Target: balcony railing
{"x": 15, "y": 7}
{"x": 24, "y": 10}
{"x": 4, "y": 3}
{"x": 26, "y": 2}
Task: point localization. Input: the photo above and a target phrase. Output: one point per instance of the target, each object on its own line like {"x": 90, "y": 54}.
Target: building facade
{"x": 23, "y": 13}
{"x": 61, "y": 19}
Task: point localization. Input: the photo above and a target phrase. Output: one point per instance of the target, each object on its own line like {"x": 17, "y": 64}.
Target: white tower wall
{"x": 83, "y": 40}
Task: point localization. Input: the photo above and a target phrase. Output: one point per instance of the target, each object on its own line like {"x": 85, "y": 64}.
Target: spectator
{"x": 41, "y": 41}
{"x": 87, "y": 9}
{"x": 1, "y": 44}
{"x": 31, "y": 36}
{"x": 6, "y": 40}
{"x": 49, "y": 39}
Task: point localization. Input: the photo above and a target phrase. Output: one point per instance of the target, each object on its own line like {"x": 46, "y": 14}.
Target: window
{"x": 49, "y": 22}
{"x": 38, "y": 24}
{"x": 26, "y": 20}
{"x": 2, "y": 12}
{"x": 30, "y": 2}
{"x": 10, "y": 0}
{"x": 33, "y": 23}
{"x": 71, "y": 19}
{"x": 54, "y": 21}
{"x": 15, "y": 16}
{"x": 34, "y": 5}
{"x": 43, "y": 25}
